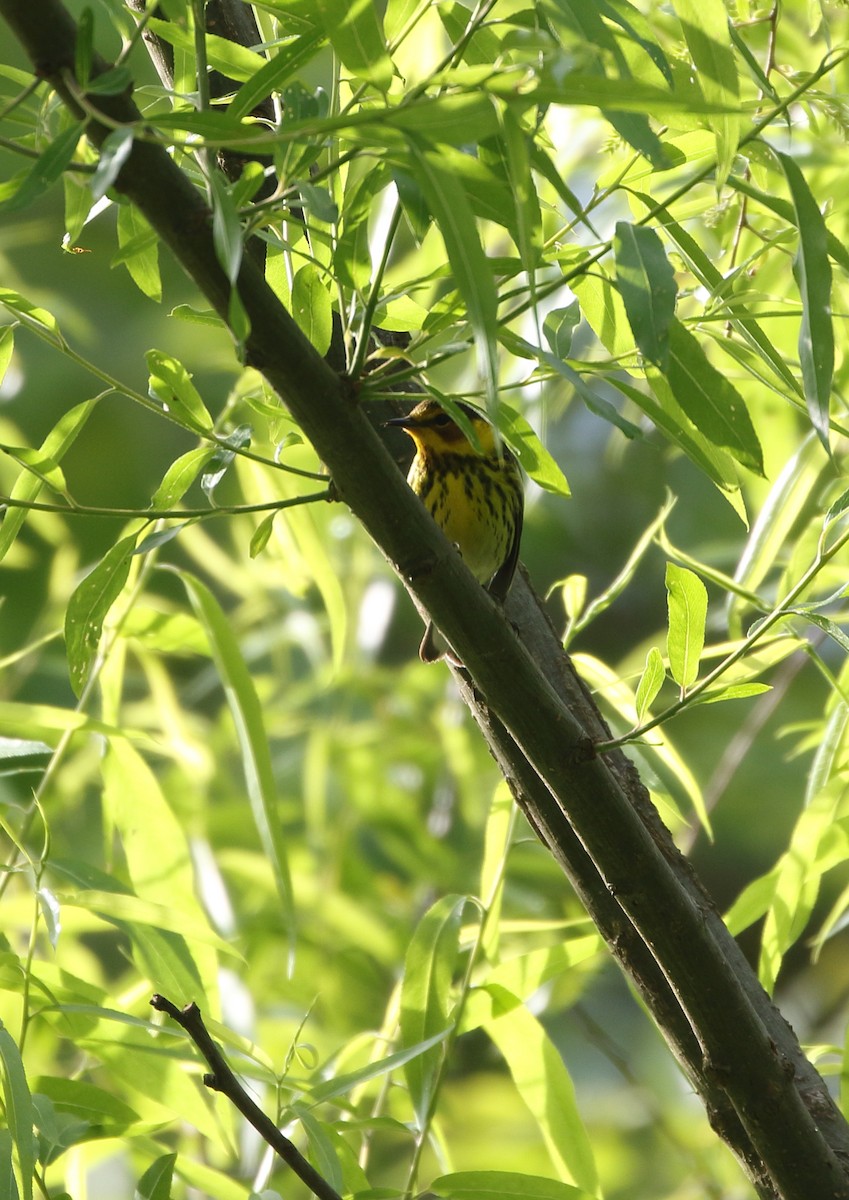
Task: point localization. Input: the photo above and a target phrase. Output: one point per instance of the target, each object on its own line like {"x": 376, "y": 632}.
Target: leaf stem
{"x": 772, "y": 618}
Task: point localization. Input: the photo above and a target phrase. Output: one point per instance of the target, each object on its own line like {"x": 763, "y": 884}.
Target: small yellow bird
{"x": 475, "y": 496}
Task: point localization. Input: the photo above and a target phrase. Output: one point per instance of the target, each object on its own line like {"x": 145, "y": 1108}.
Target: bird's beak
{"x": 401, "y": 423}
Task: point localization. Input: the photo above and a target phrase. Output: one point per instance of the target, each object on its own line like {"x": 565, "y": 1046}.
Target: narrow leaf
{"x": 247, "y": 714}
{"x": 813, "y": 275}
{"x": 503, "y": 1185}
{"x": 180, "y": 476}
{"x": 139, "y": 251}
{"x": 542, "y": 468}
{"x": 647, "y": 287}
{"x": 46, "y": 170}
{"x": 285, "y": 62}
{"x": 18, "y": 1113}
{"x": 171, "y": 384}
{"x": 113, "y": 154}
{"x": 155, "y": 1184}
{"x": 544, "y": 1084}
{"x": 311, "y": 307}
{"x": 705, "y": 27}
{"x": 357, "y": 37}
{"x": 88, "y": 607}
{"x": 650, "y": 683}
{"x": 231, "y": 59}
{"x": 710, "y": 400}
{"x": 472, "y": 272}
{"x": 687, "y": 604}
{"x": 227, "y": 233}
{"x": 426, "y": 991}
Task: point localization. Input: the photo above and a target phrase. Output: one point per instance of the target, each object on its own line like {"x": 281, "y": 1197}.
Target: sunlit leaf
{"x": 426, "y": 993}
{"x": 18, "y": 1114}
{"x": 651, "y": 681}
{"x": 472, "y": 272}
{"x": 710, "y": 400}
{"x": 45, "y": 171}
{"x": 171, "y": 384}
{"x": 247, "y": 714}
{"x": 155, "y": 1183}
{"x": 531, "y": 453}
{"x": 544, "y": 1084}
{"x": 813, "y": 275}
{"x": 354, "y": 30}
{"x": 504, "y": 1185}
{"x": 224, "y": 55}
{"x": 705, "y": 28}
{"x": 284, "y": 62}
{"x": 89, "y": 605}
{"x": 687, "y": 606}
{"x": 311, "y": 307}
{"x": 647, "y": 285}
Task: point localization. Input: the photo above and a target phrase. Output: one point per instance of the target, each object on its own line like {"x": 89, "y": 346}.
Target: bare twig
{"x": 221, "y": 1079}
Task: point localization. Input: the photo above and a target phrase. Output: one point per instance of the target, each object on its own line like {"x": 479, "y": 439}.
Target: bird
{"x": 474, "y": 493}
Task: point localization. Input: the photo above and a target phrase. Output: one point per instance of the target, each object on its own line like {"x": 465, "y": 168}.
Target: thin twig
{"x": 221, "y": 1079}
{"x": 149, "y": 514}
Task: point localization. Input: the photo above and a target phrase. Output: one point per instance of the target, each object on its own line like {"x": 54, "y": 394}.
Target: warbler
{"x": 475, "y": 496}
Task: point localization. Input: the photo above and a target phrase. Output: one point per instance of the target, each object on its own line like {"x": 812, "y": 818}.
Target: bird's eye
{"x": 442, "y": 419}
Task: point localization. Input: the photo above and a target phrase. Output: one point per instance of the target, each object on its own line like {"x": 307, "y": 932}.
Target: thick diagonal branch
{"x": 741, "y": 1050}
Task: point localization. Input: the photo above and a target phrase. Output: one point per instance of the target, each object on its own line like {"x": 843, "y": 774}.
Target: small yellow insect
{"x": 476, "y": 497}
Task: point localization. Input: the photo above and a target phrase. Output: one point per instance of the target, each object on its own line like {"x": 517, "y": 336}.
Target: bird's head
{"x": 432, "y": 429}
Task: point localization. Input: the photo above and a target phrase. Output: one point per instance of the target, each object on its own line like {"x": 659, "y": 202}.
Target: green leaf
{"x": 46, "y": 170}
{"x": 171, "y": 384}
{"x": 30, "y": 312}
{"x": 825, "y": 624}
{"x": 544, "y": 1084}
{"x": 356, "y": 35}
{"x": 39, "y": 464}
{"x": 667, "y": 414}
{"x": 180, "y": 476}
{"x": 228, "y": 236}
{"x": 528, "y": 218}
{"x": 114, "y": 152}
{"x": 472, "y": 273}
{"x": 139, "y": 251}
{"x": 647, "y": 285}
{"x": 155, "y": 1184}
{"x": 650, "y": 683}
{"x": 558, "y": 327}
{"x": 705, "y": 27}
{"x": 286, "y": 61}
{"x": 231, "y": 59}
{"x": 260, "y": 536}
{"x": 503, "y": 1185}
{"x": 788, "y": 498}
{"x": 89, "y": 605}
{"x": 340, "y": 1085}
{"x": 426, "y": 994}
{"x": 84, "y": 48}
{"x": 687, "y": 605}
{"x": 813, "y": 275}
{"x": 85, "y": 1100}
{"x": 18, "y": 1114}
{"x": 819, "y": 842}
{"x": 247, "y": 713}
{"x": 710, "y": 400}
{"x": 311, "y": 307}
{"x": 531, "y": 453}
{"x": 734, "y": 691}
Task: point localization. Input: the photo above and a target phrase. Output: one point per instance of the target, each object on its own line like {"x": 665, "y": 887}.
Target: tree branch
{"x": 223, "y": 1080}
{"x": 747, "y": 1064}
